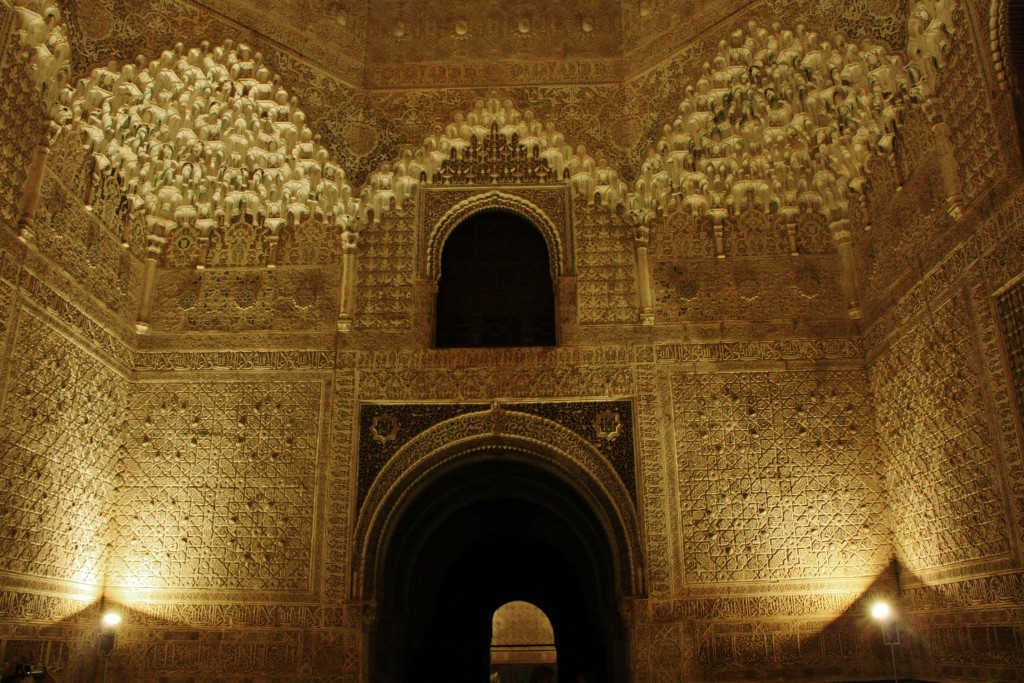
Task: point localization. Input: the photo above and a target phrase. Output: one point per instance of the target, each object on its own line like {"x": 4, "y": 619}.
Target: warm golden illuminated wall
{"x": 221, "y": 488}
{"x": 948, "y": 420}
{"x": 949, "y": 426}
{"x": 63, "y": 412}
{"x": 204, "y": 476}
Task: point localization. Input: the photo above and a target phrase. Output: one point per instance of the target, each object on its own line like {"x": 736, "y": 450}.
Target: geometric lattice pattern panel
{"x": 87, "y": 251}
{"x": 606, "y": 264}
{"x": 219, "y": 491}
{"x": 978, "y": 160}
{"x": 779, "y": 476}
{"x": 60, "y": 430}
{"x": 1011, "y": 315}
{"x": 385, "y": 264}
{"x": 19, "y": 109}
{"x": 933, "y": 422}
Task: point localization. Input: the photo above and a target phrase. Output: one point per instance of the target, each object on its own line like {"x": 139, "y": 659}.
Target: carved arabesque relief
{"x": 63, "y": 413}
{"x": 240, "y": 300}
{"x": 86, "y": 250}
{"x": 606, "y": 267}
{"x": 778, "y": 476}
{"x": 762, "y": 631}
{"x": 386, "y": 273}
{"x": 216, "y": 486}
{"x": 933, "y": 418}
{"x": 1011, "y": 316}
{"x": 494, "y": 144}
{"x": 18, "y": 117}
{"x": 229, "y": 197}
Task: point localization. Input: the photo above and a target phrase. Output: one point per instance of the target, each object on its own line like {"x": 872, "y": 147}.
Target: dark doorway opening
{"x": 489, "y": 532}
{"x": 495, "y": 288}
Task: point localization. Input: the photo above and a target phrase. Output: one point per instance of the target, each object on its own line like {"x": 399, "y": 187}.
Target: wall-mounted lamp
{"x": 108, "y": 631}
{"x": 883, "y": 613}
{"x": 881, "y": 610}
{"x": 108, "y": 634}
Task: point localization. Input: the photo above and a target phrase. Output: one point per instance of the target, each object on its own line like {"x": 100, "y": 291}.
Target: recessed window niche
{"x": 495, "y": 288}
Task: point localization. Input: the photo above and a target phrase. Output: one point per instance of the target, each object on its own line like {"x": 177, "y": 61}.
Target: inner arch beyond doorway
{"x": 461, "y": 526}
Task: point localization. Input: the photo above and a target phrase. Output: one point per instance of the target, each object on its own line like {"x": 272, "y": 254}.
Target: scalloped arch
{"x": 526, "y": 142}
{"x": 207, "y": 136}
{"x": 491, "y": 201}
{"x": 529, "y": 438}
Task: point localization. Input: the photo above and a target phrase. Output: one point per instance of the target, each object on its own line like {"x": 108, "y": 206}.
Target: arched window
{"x": 495, "y": 288}
{"x": 521, "y": 641}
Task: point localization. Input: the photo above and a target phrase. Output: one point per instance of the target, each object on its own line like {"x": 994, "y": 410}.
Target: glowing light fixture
{"x": 108, "y": 634}
{"x": 881, "y": 611}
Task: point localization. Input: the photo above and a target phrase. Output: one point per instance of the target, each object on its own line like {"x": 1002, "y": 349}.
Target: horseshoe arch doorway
{"x": 493, "y": 524}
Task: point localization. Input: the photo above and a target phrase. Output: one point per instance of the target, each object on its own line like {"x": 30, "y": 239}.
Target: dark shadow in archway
{"x": 491, "y": 531}
{"x": 495, "y": 288}
{"x": 1015, "y": 41}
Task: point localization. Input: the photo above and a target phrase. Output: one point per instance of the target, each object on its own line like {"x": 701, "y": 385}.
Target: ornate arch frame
{"x": 1004, "y": 50}
{"x": 523, "y": 437}
{"x": 492, "y": 200}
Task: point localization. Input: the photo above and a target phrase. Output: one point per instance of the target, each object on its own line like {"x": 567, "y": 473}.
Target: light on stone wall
{"x": 886, "y": 617}
{"x": 108, "y": 632}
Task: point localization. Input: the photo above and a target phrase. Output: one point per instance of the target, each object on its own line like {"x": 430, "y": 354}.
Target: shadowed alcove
{"x": 495, "y": 288}
{"x": 491, "y": 530}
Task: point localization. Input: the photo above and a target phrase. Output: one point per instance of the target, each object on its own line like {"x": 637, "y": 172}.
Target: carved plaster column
{"x": 950, "y": 173}
{"x": 155, "y": 244}
{"x": 347, "y": 304}
{"x": 276, "y": 224}
{"x": 34, "y": 183}
{"x": 641, "y": 235}
{"x": 718, "y": 224}
{"x": 789, "y": 213}
{"x": 272, "y": 243}
{"x": 847, "y": 270}
{"x": 943, "y": 136}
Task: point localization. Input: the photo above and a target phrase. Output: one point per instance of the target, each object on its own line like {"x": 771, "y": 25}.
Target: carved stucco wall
{"x": 19, "y": 98}
{"x": 63, "y": 406}
{"x": 771, "y": 470}
{"x": 62, "y": 398}
{"x": 948, "y": 421}
{"x": 750, "y": 446}
{"x": 654, "y": 29}
{"x": 591, "y": 99}
{"x": 758, "y": 280}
